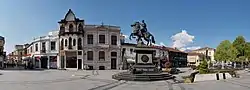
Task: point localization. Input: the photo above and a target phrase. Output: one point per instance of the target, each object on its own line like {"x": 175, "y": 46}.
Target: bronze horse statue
{"x": 141, "y": 33}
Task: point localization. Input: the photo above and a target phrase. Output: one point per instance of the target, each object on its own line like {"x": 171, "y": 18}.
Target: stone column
{"x": 48, "y": 63}
{"x": 39, "y": 62}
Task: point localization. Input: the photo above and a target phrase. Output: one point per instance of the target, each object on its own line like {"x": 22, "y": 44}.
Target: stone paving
{"x": 84, "y": 80}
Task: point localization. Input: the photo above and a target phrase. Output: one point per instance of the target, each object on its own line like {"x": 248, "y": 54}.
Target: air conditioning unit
{"x": 144, "y": 58}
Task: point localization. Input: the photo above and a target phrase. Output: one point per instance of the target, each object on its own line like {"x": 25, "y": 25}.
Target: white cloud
{"x": 125, "y": 36}
{"x": 162, "y": 44}
{"x": 182, "y": 49}
{"x": 155, "y": 44}
{"x": 193, "y": 47}
{"x": 182, "y": 40}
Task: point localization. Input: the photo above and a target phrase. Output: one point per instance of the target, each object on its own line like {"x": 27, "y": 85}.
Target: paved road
{"x": 84, "y": 80}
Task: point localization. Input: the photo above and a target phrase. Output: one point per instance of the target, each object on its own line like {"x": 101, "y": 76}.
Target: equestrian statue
{"x": 140, "y": 31}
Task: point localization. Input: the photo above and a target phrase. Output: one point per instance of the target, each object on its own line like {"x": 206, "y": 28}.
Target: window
{"x": 90, "y": 55}
{"x": 74, "y": 42}
{"x": 53, "y": 45}
{"x": 90, "y": 39}
{"x": 102, "y": 55}
{"x": 90, "y": 67}
{"x": 70, "y": 43}
{"x": 80, "y": 28}
{"x": 209, "y": 53}
{"x": 102, "y": 39}
{"x": 31, "y": 49}
{"x": 66, "y": 42}
{"x": 36, "y": 47}
{"x": 79, "y": 41}
{"x": 62, "y": 29}
{"x": 79, "y": 52}
{"x": 113, "y": 54}
{"x": 101, "y": 67}
{"x": 43, "y": 47}
{"x": 70, "y": 28}
{"x": 113, "y": 40}
{"x": 62, "y": 44}
{"x": 131, "y": 51}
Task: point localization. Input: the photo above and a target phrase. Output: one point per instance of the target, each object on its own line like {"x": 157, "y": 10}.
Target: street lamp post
{"x": 209, "y": 61}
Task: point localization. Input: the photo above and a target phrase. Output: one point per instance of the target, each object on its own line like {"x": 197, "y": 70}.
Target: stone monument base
{"x": 144, "y": 68}
{"x": 142, "y": 77}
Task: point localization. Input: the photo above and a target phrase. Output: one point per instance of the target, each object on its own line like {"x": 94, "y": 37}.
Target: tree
{"x": 203, "y": 67}
{"x": 240, "y": 45}
{"x": 233, "y": 54}
{"x": 222, "y": 52}
{"x": 247, "y": 50}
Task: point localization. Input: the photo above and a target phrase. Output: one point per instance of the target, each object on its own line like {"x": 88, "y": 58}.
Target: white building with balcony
{"x": 207, "y": 51}
{"x": 44, "y": 51}
{"x": 84, "y": 46}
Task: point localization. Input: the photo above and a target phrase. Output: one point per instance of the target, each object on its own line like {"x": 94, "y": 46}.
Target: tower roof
{"x": 1, "y": 38}
{"x": 70, "y": 16}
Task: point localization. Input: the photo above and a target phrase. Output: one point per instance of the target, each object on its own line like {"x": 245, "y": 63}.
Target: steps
{"x": 142, "y": 77}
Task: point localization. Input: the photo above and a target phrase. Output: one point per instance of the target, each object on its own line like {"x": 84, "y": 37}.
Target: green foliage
{"x": 233, "y": 53}
{"x": 247, "y": 50}
{"x": 222, "y": 51}
{"x": 203, "y": 67}
{"x": 239, "y": 43}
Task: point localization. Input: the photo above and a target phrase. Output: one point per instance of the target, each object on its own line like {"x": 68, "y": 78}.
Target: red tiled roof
{"x": 168, "y": 49}
{"x": 194, "y": 54}
{"x": 205, "y": 48}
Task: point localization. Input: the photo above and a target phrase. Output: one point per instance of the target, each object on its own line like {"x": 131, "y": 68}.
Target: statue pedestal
{"x": 144, "y": 68}
{"x": 144, "y": 60}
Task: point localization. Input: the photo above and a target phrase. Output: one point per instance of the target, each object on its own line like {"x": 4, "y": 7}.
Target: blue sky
{"x": 209, "y": 21}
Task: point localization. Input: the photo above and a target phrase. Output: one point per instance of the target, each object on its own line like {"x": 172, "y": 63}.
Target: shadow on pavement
{"x": 20, "y": 69}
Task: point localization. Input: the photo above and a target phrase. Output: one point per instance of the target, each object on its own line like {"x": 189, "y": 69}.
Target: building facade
{"x": 207, "y": 51}
{"x": 85, "y": 46}
{"x": 2, "y": 53}
{"x": 127, "y": 54}
{"x": 177, "y": 57}
{"x": 43, "y": 51}
{"x": 195, "y": 58}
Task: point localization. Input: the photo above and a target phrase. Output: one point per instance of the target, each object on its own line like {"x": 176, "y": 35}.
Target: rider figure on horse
{"x": 144, "y": 28}
{"x": 140, "y": 30}
{"x": 137, "y": 28}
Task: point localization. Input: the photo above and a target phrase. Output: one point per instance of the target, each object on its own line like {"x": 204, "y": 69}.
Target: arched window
{"x": 79, "y": 43}
{"x": 70, "y": 43}
{"x": 80, "y": 28}
{"x": 70, "y": 28}
{"x": 66, "y": 42}
{"x": 74, "y": 42}
{"x": 62, "y": 44}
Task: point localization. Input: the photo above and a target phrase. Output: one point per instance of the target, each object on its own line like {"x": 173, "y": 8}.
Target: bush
{"x": 203, "y": 67}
